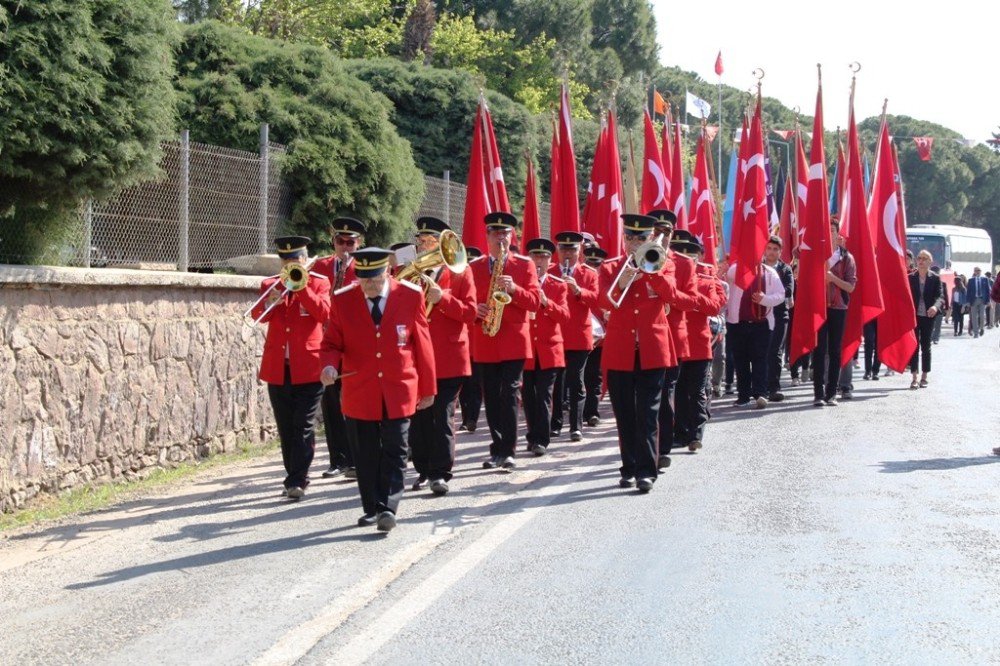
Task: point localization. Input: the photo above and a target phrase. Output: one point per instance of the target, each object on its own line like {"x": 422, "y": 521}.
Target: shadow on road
{"x": 934, "y": 464}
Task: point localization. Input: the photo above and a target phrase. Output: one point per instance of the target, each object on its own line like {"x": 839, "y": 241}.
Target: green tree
{"x": 86, "y": 102}
{"x": 629, "y": 29}
{"x": 344, "y": 157}
{"x": 418, "y": 31}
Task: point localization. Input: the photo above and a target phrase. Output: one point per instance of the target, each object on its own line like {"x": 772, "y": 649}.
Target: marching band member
{"x": 578, "y": 336}
{"x": 502, "y": 274}
{"x": 378, "y": 344}
{"x": 637, "y": 351}
{"x": 547, "y": 347}
{"x": 347, "y": 235}
{"x": 453, "y": 297}
{"x": 592, "y": 380}
{"x": 470, "y": 398}
{"x": 691, "y": 393}
{"x": 290, "y": 364}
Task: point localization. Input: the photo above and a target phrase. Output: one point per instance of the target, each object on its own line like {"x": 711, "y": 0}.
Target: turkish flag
{"x": 677, "y": 181}
{"x": 496, "y": 188}
{"x": 666, "y": 156}
{"x": 924, "y": 145}
{"x": 896, "y": 339}
{"x": 702, "y": 203}
{"x": 532, "y": 227}
{"x": 751, "y": 209}
{"x": 866, "y": 300}
{"x": 743, "y": 155}
{"x": 655, "y": 186}
{"x": 801, "y": 189}
{"x": 814, "y": 248}
{"x": 718, "y": 64}
{"x": 784, "y": 134}
{"x": 786, "y": 231}
{"x": 612, "y": 213}
{"x": 477, "y": 202}
{"x": 566, "y": 192}
{"x": 555, "y": 203}
{"x": 596, "y": 183}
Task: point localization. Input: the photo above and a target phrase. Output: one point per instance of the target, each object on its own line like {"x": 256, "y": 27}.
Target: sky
{"x": 937, "y": 64}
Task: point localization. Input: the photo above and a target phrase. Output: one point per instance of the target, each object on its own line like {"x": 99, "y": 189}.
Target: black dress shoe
{"x": 594, "y": 421}
{"x": 508, "y": 464}
{"x": 492, "y": 463}
{"x": 419, "y": 483}
{"x": 626, "y": 482}
{"x": 554, "y": 433}
{"x": 539, "y": 450}
{"x": 439, "y": 487}
{"x": 386, "y": 521}
{"x": 576, "y": 436}
{"x": 663, "y": 462}
{"x": 644, "y": 485}
{"x": 469, "y": 426}
{"x": 367, "y": 520}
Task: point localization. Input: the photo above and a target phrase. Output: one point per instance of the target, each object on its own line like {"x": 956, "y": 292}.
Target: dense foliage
{"x": 344, "y": 157}
{"x": 86, "y": 100}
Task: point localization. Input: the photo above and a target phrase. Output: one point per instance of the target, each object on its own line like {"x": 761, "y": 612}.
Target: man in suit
{"x": 347, "y": 235}
{"x": 978, "y": 295}
{"x": 577, "y": 333}
{"x": 502, "y": 356}
{"x": 637, "y": 351}
{"x": 547, "y": 354}
{"x": 290, "y": 364}
{"x": 378, "y": 345}
{"x": 928, "y": 299}
{"x": 452, "y": 297}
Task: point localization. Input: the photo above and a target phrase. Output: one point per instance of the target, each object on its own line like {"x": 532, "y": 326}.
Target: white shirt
{"x": 774, "y": 293}
{"x": 382, "y": 298}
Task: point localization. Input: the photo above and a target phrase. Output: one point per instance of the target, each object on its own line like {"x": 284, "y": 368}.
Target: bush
{"x": 344, "y": 156}
{"x": 86, "y": 100}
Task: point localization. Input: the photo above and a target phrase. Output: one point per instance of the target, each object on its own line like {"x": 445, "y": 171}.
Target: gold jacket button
{"x": 378, "y": 335}
{"x": 380, "y": 374}
{"x": 378, "y": 354}
{"x": 636, "y": 311}
{"x": 288, "y": 330}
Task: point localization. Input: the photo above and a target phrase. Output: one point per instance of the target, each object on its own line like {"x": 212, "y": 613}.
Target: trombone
{"x": 649, "y": 258}
{"x": 294, "y": 277}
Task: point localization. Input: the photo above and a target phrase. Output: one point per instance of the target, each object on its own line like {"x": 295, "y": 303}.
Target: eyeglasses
{"x": 345, "y": 240}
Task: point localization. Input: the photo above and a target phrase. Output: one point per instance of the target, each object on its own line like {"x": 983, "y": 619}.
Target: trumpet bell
{"x": 650, "y": 257}
{"x": 294, "y": 277}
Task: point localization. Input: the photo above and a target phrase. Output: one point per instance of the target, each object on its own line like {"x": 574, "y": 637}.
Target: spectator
{"x": 939, "y": 319}
{"x": 958, "y": 305}
{"x": 928, "y": 298}
{"x": 977, "y": 294}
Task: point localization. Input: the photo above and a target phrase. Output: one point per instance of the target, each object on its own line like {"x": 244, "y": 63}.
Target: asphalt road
{"x": 869, "y": 532}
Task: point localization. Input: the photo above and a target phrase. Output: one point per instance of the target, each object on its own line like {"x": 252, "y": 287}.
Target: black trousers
{"x": 432, "y": 433}
{"x": 592, "y": 381}
{"x": 826, "y": 356}
{"x": 923, "y": 331}
{"x": 501, "y": 382}
{"x": 958, "y": 318}
{"x": 776, "y": 354}
{"x": 536, "y": 397}
{"x": 666, "y": 417}
{"x": 635, "y": 399}
{"x": 570, "y": 381}
{"x": 470, "y": 398}
{"x": 749, "y": 341}
{"x": 730, "y": 361}
{"x": 691, "y": 402}
{"x": 379, "y": 449}
{"x": 870, "y": 332}
{"x": 336, "y": 430}
{"x": 295, "y": 408}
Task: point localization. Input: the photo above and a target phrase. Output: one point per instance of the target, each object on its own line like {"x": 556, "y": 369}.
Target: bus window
{"x": 935, "y": 244}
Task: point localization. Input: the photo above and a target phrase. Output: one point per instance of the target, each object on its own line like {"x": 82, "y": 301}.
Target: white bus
{"x": 964, "y": 247}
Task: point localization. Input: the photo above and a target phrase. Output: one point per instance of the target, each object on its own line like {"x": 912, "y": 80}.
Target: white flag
{"x": 698, "y": 107}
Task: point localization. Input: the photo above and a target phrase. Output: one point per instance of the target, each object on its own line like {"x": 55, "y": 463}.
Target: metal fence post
{"x": 265, "y": 157}
{"x": 184, "y": 204}
{"x": 447, "y": 197}
{"x": 88, "y": 231}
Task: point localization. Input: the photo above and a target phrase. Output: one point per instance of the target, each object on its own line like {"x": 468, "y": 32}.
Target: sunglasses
{"x": 345, "y": 240}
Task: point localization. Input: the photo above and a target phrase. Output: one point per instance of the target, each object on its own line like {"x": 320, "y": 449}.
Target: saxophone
{"x": 338, "y": 281}
{"x": 497, "y": 298}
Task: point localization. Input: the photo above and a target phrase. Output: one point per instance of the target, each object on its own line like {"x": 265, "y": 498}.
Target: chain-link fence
{"x": 445, "y": 199}
{"x": 213, "y": 208}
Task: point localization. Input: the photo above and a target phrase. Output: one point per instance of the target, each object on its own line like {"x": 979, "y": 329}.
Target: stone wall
{"x": 107, "y": 373}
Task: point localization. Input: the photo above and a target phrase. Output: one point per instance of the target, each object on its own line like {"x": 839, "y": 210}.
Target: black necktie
{"x": 376, "y": 313}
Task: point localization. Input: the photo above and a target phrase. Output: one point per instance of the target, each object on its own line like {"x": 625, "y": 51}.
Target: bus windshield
{"x": 933, "y": 243}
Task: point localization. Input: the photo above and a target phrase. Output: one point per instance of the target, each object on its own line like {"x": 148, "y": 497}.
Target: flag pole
{"x": 719, "y": 163}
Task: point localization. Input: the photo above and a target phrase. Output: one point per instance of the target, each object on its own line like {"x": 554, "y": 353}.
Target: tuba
{"x": 450, "y": 253}
{"x": 497, "y": 299}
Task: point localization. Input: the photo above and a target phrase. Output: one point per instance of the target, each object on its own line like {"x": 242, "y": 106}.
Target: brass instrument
{"x": 294, "y": 277}
{"x": 497, "y": 298}
{"x": 341, "y": 275}
{"x": 649, "y": 258}
{"x": 450, "y": 253}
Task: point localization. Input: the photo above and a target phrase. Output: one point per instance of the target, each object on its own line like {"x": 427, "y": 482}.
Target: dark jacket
{"x": 933, "y": 291}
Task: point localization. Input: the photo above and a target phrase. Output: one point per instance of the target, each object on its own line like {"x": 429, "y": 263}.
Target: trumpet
{"x": 449, "y": 253}
{"x": 649, "y": 258}
{"x": 294, "y": 277}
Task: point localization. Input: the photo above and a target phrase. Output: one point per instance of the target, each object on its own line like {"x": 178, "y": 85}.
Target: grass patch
{"x": 93, "y": 497}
